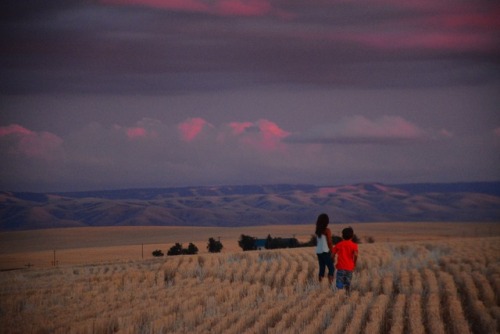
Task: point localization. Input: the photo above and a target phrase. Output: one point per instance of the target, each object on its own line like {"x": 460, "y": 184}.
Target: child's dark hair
{"x": 347, "y": 233}
{"x": 321, "y": 224}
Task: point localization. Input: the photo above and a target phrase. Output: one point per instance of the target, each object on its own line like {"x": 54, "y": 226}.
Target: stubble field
{"x": 433, "y": 280}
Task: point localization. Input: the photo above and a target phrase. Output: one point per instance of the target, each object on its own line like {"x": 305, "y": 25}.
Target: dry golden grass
{"x": 435, "y": 285}
{"x": 104, "y": 244}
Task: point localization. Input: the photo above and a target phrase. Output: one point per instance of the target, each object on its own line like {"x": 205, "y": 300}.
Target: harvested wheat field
{"x": 91, "y": 245}
{"x": 446, "y": 285}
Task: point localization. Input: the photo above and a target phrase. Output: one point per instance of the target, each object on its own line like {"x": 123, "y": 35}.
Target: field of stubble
{"x": 440, "y": 285}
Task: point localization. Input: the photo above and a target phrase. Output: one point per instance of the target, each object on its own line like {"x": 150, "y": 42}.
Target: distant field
{"x": 441, "y": 283}
{"x": 97, "y": 244}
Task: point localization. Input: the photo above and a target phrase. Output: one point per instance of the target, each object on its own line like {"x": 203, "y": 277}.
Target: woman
{"x": 324, "y": 247}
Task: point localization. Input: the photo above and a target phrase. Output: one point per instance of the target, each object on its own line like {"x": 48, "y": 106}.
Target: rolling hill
{"x": 251, "y": 205}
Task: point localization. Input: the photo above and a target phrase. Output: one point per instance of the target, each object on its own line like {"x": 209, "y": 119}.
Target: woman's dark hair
{"x": 347, "y": 233}
{"x": 321, "y": 224}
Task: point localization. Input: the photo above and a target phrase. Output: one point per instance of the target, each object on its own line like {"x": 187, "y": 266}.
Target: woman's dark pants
{"x": 325, "y": 260}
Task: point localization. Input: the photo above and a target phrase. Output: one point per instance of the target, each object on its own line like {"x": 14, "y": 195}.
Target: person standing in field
{"x": 347, "y": 256}
{"x": 324, "y": 247}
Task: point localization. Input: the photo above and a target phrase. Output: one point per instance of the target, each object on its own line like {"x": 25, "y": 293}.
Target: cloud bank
{"x": 153, "y": 153}
{"x": 360, "y": 130}
{"x": 171, "y": 47}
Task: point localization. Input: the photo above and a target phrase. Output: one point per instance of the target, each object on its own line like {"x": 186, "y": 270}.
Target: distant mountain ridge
{"x": 491, "y": 188}
{"x": 151, "y": 193}
{"x": 251, "y": 205}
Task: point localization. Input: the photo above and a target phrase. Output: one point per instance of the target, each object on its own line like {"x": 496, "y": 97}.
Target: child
{"x": 324, "y": 246}
{"x": 347, "y": 255}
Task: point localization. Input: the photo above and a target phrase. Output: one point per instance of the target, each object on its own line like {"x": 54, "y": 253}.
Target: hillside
{"x": 251, "y": 205}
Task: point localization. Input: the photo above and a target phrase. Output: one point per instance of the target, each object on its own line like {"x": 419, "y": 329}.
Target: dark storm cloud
{"x": 93, "y": 47}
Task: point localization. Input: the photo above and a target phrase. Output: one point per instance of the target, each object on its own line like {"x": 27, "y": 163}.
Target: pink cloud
{"x": 243, "y": 7}
{"x": 145, "y": 128}
{"x": 14, "y": 129}
{"x": 191, "y": 128}
{"x": 137, "y": 132}
{"x": 270, "y": 130}
{"x": 239, "y": 127}
{"x": 262, "y": 135}
{"x": 384, "y": 127}
{"x": 446, "y": 41}
{"x": 490, "y": 20}
{"x": 432, "y": 40}
{"x": 497, "y": 132}
{"x": 468, "y": 29}
{"x": 32, "y": 144}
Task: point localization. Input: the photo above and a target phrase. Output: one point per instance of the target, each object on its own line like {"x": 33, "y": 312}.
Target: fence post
{"x": 54, "y": 262}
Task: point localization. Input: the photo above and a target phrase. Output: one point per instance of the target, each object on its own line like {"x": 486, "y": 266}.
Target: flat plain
{"x": 413, "y": 278}
{"x": 90, "y": 245}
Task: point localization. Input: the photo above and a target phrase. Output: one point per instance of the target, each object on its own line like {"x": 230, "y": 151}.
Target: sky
{"x": 114, "y": 94}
